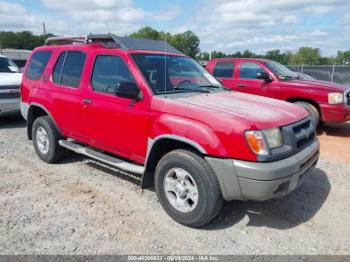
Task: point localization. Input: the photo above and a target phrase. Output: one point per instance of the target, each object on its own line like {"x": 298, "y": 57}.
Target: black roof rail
{"x": 113, "y": 41}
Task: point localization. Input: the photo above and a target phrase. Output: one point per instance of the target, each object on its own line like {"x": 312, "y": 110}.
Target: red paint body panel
{"x": 215, "y": 122}
{"x": 314, "y": 90}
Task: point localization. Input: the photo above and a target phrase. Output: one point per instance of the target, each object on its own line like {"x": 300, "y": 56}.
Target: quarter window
{"x": 224, "y": 69}
{"x": 69, "y": 68}
{"x": 37, "y": 64}
{"x": 249, "y": 70}
{"x": 108, "y": 72}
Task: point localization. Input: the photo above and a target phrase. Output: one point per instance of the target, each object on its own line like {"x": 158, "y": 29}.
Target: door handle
{"x": 87, "y": 101}
{"x": 241, "y": 85}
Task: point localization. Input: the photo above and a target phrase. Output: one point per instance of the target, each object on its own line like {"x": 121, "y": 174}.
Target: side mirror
{"x": 128, "y": 90}
{"x": 264, "y": 76}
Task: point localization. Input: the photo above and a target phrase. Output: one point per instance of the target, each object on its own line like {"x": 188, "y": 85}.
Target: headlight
{"x": 256, "y": 140}
{"x": 335, "y": 98}
{"x": 273, "y": 137}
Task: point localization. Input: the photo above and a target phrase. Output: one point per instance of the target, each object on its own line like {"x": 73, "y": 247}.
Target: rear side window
{"x": 249, "y": 70}
{"x": 224, "y": 69}
{"x": 69, "y": 68}
{"x": 37, "y": 64}
{"x": 108, "y": 72}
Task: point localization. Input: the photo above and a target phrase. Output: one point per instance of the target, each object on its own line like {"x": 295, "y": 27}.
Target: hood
{"x": 317, "y": 84}
{"x": 10, "y": 79}
{"x": 260, "y": 112}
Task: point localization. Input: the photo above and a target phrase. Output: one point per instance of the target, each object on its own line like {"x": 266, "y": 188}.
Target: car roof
{"x": 240, "y": 58}
{"x": 111, "y": 41}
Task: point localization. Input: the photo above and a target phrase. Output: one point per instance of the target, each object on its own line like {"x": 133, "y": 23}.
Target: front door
{"x": 115, "y": 124}
{"x": 247, "y": 81}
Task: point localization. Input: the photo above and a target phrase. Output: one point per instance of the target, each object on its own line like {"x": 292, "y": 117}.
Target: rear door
{"x": 66, "y": 92}
{"x": 223, "y": 71}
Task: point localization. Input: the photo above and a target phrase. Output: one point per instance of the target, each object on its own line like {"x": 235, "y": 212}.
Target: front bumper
{"x": 9, "y": 104}
{"x": 245, "y": 180}
{"x": 335, "y": 113}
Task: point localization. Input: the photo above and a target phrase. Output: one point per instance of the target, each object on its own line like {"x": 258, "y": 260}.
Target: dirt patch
{"x": 79, "y": 206}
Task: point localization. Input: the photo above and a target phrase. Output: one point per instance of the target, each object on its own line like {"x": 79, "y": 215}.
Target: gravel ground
{"x": 79, "y": 206}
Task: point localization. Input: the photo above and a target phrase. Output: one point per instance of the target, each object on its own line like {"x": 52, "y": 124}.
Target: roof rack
{"x": 113, "y": 41}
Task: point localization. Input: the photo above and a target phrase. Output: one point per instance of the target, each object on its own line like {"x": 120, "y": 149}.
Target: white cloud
{"x": 14, "y": 16}
{"x": 260, "y": 25}
{"x": 225, "y": 25}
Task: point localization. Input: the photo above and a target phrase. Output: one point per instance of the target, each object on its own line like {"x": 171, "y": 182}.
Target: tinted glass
{"x": 8, "y": 66}
{"x": 249, "y": 70}
{"x": 108, "y": 72}
{"x": 72, "y": 69}
{"x": 224, "y": 69}
{"x": 37, "y": 64}
{"x": 282, "y": 72}
{"x": 168, "y": 74}
{"x": 56, "y": 75}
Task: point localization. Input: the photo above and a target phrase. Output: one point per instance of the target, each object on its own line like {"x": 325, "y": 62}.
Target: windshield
{"x": 167, "y": 74}
{"x": 8, "y": 66}
{"x": 282, "y": 72}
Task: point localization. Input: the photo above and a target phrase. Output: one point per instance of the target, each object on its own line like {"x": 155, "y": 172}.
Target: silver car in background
{"x": 10, "y": 81}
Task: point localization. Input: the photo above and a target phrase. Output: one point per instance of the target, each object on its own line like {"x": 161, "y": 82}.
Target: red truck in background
{"x": 325, "y": 101}
{"x": 132, "y": 105}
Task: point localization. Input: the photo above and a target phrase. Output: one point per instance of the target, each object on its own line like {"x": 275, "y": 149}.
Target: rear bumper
{"x": 9, "y": 104}
{"x": 245, "y": 180}
{"x": 335, "y": 113}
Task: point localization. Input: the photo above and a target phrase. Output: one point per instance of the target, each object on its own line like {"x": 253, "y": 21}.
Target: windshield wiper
{"x": 191, "y": 89}
{"x": 288, "y": 77}
{"x": 210, "y": 86}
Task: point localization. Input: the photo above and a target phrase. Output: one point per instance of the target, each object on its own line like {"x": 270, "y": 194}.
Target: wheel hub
{"x": 181, "y": 190}
{"x": 42, "y": 140}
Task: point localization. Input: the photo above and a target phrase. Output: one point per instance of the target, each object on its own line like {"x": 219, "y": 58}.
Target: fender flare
{"x": 30, "y": 123}
{"x": 147, "y": 177}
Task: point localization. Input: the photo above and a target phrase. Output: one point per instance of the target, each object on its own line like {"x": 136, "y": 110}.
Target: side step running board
{"x": 112, "y": 161}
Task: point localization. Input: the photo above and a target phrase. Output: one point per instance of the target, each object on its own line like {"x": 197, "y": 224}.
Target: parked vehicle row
{"x": 132, "y": 105}
{"x": 325, "y": 101}
{"x": 10, "y": 81}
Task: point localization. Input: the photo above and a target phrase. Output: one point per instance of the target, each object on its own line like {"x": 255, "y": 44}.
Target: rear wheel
{"x": 312, "y": 110}
{"x": 45, "y": 139}
{"x": 187, "y": 188}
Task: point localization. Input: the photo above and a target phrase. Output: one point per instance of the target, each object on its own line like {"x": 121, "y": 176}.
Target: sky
{"x": 222, "y": 25}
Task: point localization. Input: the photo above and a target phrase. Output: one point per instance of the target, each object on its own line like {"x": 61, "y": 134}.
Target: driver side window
{"x": 108, "y": 71}
{"x": 249, "y": 70}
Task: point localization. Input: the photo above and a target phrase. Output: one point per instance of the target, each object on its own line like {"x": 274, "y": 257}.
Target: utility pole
{"x": 44, "y": 29}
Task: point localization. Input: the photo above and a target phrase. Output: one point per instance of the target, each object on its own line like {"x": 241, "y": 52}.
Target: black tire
{"x": 55, "y": 152}
{"x": 209, "y": 193}
{"x": 312, "y": 110}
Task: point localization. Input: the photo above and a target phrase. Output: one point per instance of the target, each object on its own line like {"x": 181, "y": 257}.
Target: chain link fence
{"x": 334, "y": 73}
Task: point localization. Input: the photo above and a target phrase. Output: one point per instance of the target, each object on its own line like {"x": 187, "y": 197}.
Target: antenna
{"x": 165, "y": 71}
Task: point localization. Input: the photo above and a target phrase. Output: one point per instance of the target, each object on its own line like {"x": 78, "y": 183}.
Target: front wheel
{"x": 312, "y": 110}
{"x": 188, "y": 188}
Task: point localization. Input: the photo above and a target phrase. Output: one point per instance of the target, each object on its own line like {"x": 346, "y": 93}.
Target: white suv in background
{"x": 10, "y": 81}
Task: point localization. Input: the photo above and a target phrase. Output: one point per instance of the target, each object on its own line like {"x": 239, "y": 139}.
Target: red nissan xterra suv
{"x": 143, "y": 107}
{"x": 325, "y": 101}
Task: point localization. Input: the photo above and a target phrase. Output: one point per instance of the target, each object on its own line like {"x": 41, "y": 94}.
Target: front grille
{"x": 304, "y": 132}
{"x": 347, "y": 97}
{"x": 9, "y": 91}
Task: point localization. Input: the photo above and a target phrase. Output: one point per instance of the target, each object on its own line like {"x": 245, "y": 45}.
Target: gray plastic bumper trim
{"x": 243, "y": 180}
{"x": 10, "y": 104}
{"x": 24, "y": 110}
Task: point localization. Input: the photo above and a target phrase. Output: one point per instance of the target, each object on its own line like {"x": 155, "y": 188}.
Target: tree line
{"x": 188, "y": 43}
